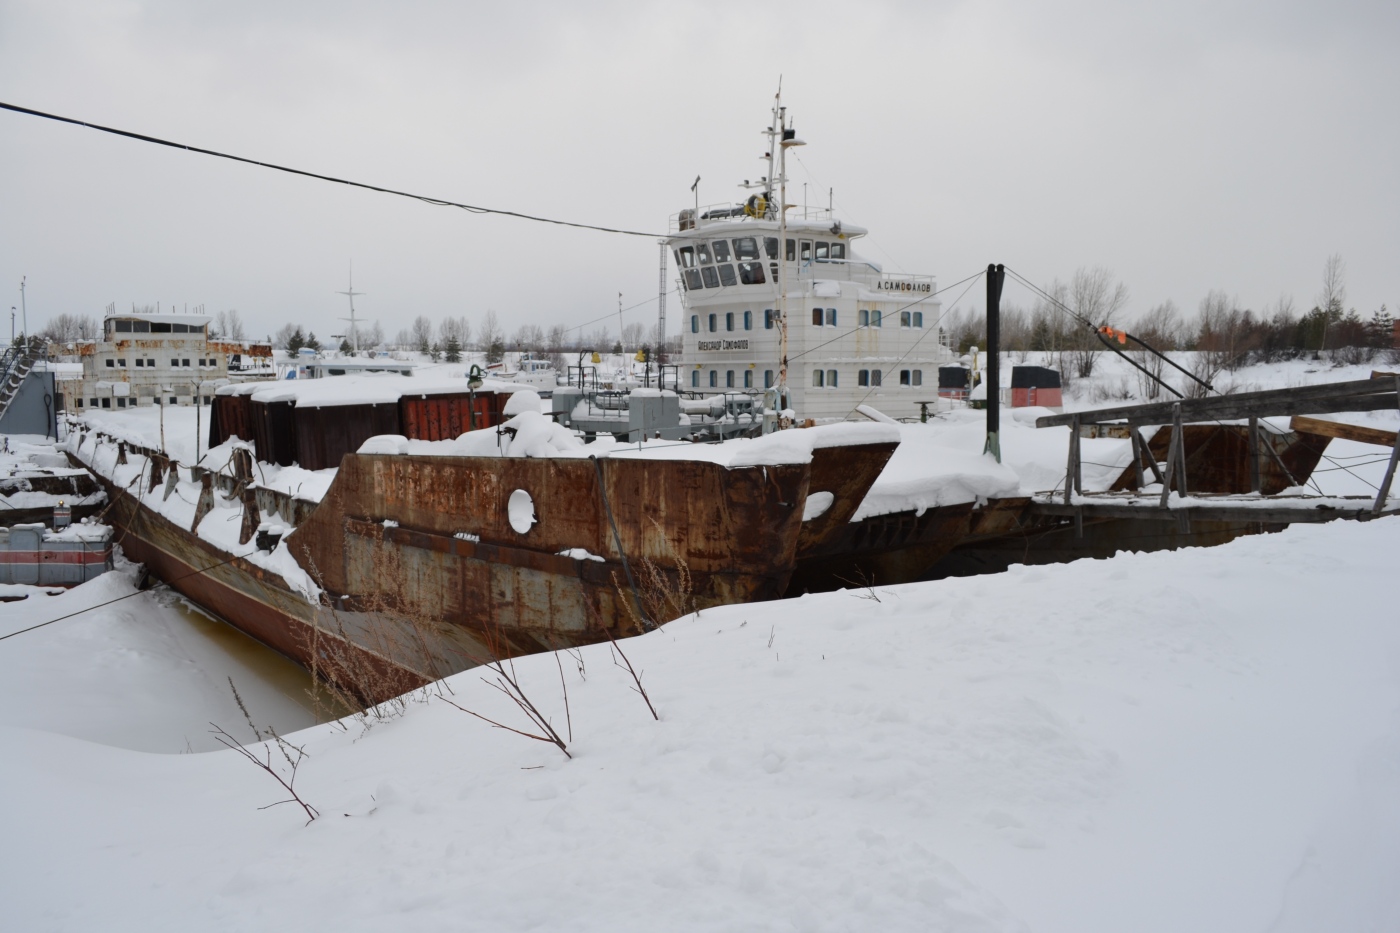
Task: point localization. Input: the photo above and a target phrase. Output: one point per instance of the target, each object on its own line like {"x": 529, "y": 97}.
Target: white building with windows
{"x": 149, "y": 359}
{"x": 855, "y": 334}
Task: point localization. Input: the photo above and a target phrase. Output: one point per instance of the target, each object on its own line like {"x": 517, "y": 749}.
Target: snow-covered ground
{"x": 146, "y": 673}
{"x": 1199, "y": 740}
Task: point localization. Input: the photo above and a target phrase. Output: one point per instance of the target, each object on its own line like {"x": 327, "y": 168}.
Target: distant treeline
{"x": 1224, "y": 335}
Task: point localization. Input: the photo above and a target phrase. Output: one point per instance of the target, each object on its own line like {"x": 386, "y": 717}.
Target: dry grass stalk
{"x": 293, "y": 755}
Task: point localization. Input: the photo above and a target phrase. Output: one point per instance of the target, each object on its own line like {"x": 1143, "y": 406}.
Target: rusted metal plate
{"x": 847, "y": 473}
{"x": 1217, "y": 458}
{"x": 884, "y": 549}
{"x": 231, "y": 416}
{"x": 325, "y": 435}
{"x": 274, "y": 432}
{"x": 444, "y": 417}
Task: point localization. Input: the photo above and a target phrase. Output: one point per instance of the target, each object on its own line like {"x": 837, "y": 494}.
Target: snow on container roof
{"x": 366, "y": 389}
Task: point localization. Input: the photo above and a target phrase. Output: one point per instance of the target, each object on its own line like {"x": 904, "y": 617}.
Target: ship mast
{"x": 354, "y": 329}
{"x": 786, "y": 137}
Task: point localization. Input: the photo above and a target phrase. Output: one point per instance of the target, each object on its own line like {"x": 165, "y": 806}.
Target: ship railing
{"x": 858, "y": 270}
{"x": 729, "y": 211}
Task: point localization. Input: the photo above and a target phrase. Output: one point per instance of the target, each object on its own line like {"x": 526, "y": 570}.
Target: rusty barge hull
{"x": 423, "y": 574}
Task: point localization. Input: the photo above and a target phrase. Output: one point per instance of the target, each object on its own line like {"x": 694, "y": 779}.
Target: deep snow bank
{"x": 1199, "y": 740}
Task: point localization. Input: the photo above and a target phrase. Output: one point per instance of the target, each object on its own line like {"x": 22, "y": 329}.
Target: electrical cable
{"x": 127, "y": 596}
{"x": 436, "y": 202}
{"x": 911, "y": 304}
{"x": 945, "y": 313}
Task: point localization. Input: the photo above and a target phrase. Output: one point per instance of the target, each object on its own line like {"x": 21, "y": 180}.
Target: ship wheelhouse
{"x": 855, "y": 335}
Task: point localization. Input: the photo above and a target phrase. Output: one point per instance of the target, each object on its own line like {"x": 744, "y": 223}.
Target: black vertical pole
{"x": 996, "y": 275}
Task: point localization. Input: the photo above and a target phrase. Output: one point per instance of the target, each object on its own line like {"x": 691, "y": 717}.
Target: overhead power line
{"x": 436, "y": 202}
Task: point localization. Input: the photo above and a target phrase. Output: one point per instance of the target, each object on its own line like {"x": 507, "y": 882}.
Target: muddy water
{"x": 271, "y": 671}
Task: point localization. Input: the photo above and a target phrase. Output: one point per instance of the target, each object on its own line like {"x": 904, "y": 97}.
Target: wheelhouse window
{"x": 817, "y": 317}
{"x": 721, "y": 248}
{"x": 745, "y": 248}
{"x": 714, "y": 378}
{"x": 729, "y": 320}
{"x": 751, "y": 273}
{"x": 726, "y": 275}
{"x": 806, "y": 251}
{"x": 140, "y": 327}
{"x": 703, "y": 251}
{"x": 692, "y": 280}
{"x": 818, "y": 378}
{"x": 918, "y": 319}
{"x": 710, "y": 276}
{"x": 823, "y": 251}
{"x": 748, "y": 320}
{"x": 831, "y": 378}
{"x": 695, "y": 323}
{"x": 791, "y": 252}
{"x": 714, "y": 323}
{"x": 158, "y": 328}
{"x": 685, "y": 257}
{"x": 904, "y": 318}
{"x": 838, "y": 250}
{"x": 830, "y": 317}
{"x": 770, "y": 247}
{"x": 121, "y": 327}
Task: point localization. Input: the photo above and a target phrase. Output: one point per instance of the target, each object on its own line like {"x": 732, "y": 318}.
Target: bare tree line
{"x": 451, "y": 336}
{"x": 1224, "y": 334}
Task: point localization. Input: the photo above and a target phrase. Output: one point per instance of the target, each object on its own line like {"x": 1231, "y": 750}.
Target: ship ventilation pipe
{"x": 996, "y": 276}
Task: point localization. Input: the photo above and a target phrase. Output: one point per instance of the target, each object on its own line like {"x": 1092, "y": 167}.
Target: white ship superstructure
{"x": 855, "y": 334}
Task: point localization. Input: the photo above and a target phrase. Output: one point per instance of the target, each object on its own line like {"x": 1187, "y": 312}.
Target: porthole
{"x": 817, "y": 504}
{"x": 520, "y": 510}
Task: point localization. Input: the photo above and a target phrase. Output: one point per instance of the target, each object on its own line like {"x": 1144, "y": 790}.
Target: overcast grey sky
{"x": 1184, "y": 146}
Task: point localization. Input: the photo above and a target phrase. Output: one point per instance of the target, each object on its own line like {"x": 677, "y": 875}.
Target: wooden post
{"x": 1072, "y": 466}
{"x": 1137, "y": 459}
{"x": 1173, "y": 455}
{"x": 1151, "y": 461}
{"x": 1254, "y": 484}
{"x": 1383, "y": 493}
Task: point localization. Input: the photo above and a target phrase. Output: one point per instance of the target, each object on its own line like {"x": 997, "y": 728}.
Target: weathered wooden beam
{"x": 1357, "y": 395}
{"x": 1255, "y": 471}
{"x": 1346, "y": 432}
{"x": 1383, "y": 492}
